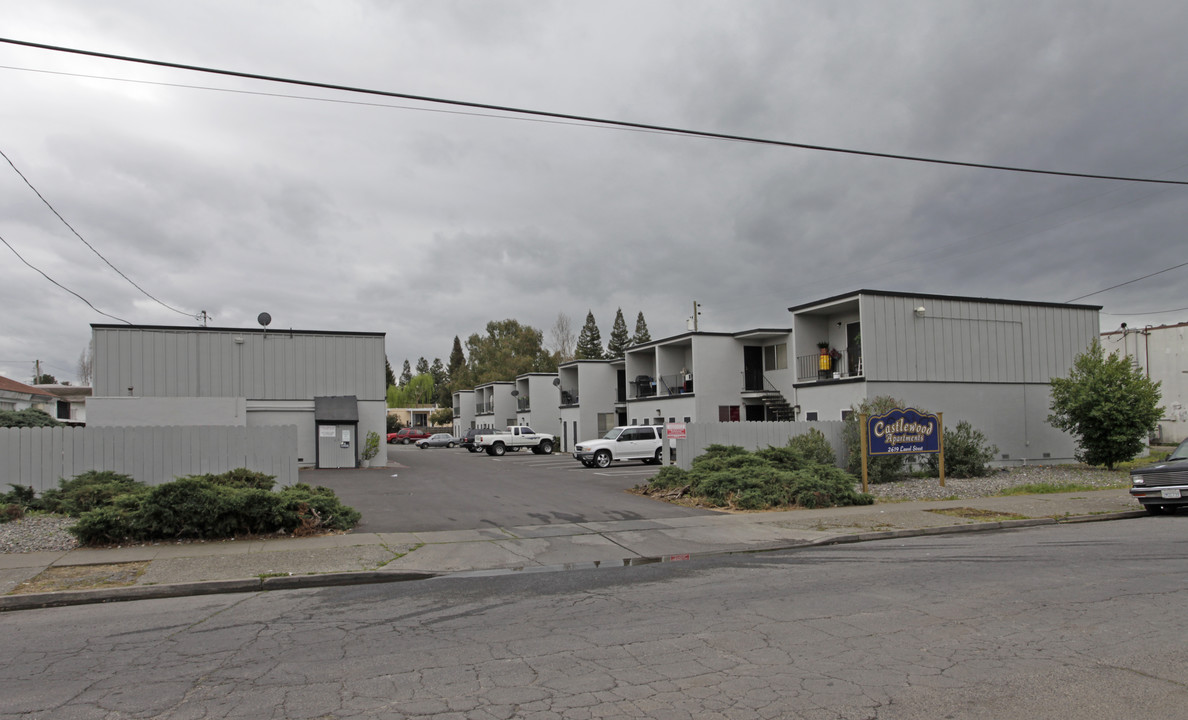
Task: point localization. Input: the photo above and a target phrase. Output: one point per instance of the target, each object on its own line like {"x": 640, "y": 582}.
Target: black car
{"x": 467, "y": 439}
{"x": 1163, "y": 487}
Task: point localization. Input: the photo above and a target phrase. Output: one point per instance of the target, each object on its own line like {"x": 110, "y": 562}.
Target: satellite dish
{"x": 556, "y": 382}
{"x": 515, "y": 393}
{"x": 264, "y": 318}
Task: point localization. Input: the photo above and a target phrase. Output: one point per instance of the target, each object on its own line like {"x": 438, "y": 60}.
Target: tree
{"x": 589, "y": 342}
{"x": 441, "y": 417}
{"x": 405, "y": 374}
{"x": 619, "y": 339}
{"x": 45, "y": 379}
{"x": 459, "y": 374}
{"x": 389, "y": 376}
{"x": 562, "y": 337}
{"x": 417, "y": 391}
{"x": 29, "y": 417}
{"x": 422, "y": 366}
{"x": 86, "y": 364}
{"x": 1108, "y": 404}
{"x": 641, "y": 331}
{"x": 442, "y": 394}
{"x": 507, "y": 350}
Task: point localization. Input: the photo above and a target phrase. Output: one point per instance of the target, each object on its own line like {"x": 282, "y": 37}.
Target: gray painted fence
{"x": 753, "y": 436}
{"x": 40, "y": 457}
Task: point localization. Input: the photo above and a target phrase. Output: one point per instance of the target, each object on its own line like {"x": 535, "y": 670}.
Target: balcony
{"x": 523, "y": 404}
{"x": 484, "y": 408}
{"x": 820, "y": 367}
{"x": 569, "y": 396}
{"x": 679, "y": 384}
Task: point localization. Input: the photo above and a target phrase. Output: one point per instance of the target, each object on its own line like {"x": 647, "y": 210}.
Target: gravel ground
{"x": 996, "y": 482}
{"x": 38, "y": 533}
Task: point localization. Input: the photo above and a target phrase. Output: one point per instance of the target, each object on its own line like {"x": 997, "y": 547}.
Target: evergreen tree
{"x": 406, "y": 374}
{"x": 641, "y": 331}
{"x": 389, "y": 376}
{"x": 442, "y": 394}
{"x": 589, "y": 343}
{"x": 619, "y": 339}
{"x": 459, "y": 373}
{"x": 422, "y": 366}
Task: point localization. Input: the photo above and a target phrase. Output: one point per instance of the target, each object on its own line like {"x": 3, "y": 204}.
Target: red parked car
{"x": 407, "y": 435}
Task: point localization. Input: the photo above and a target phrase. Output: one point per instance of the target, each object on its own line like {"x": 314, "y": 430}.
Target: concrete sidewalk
{"x": 172, "y": 570}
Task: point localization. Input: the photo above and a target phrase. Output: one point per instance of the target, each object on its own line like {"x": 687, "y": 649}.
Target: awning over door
{"x": 336, "y": 409}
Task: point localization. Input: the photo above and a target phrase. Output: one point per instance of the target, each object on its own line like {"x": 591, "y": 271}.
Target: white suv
{"x": 636, "y": 442}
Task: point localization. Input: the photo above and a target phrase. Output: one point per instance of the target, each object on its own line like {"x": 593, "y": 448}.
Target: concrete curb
{"x": 33, "y": 601}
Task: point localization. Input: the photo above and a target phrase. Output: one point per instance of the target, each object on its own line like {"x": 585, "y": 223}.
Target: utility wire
{"x": 578, "y": 118}
{"x": 1159, "y": 272}
{"x": 47, "y": 277}
{"x": 84, "y": 241}
{"x": 1154, "y": 312}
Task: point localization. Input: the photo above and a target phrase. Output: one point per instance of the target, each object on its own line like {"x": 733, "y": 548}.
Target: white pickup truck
{"x": 515, "y": 437}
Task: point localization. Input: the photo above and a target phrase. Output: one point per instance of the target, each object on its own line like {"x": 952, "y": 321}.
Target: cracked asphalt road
{"x": 1080, "y": 621}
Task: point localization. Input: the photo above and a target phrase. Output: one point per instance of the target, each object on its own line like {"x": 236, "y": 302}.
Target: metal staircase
{"x": 778, "y": 407}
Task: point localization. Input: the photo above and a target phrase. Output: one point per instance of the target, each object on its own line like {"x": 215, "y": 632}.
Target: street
{"x": 1074, "y": 621}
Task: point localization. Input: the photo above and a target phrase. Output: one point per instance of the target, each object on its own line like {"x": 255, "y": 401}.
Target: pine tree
{"x": 589, "y": 343}
{"x": 422, "y": 366}
{"x": 389, "y": 376}
{"x": 619, "y": 339}
{"x": 406, "y": 374}
{"x": 458, "y": 375}
{"x": 641, "y": 331}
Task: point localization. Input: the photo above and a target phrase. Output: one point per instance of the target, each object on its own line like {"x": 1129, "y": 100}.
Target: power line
{"x": 84, "y": 241}
{"x": 1128, "y": 282}
{"x": 47, "y": 277}
{"x": 1154, "y": 312}
{"x": 578, "y": 118}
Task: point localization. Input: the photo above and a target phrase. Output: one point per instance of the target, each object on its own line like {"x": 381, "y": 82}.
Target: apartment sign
{"x": 903, "y": 431}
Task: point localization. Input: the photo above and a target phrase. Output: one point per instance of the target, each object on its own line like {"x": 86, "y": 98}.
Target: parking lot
{"x": 452, "y": 489}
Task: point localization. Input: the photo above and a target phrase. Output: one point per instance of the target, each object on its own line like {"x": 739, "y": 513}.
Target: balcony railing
{"x": 523, "y": 404}
{"x": 484, "y": 408}
{"x": 569, "y": 396}
{"x": 825, "y": 367}
{"x": 678, "y": 384}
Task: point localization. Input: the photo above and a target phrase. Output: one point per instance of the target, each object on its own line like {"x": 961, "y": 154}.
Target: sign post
{"x": 902, "y": 431}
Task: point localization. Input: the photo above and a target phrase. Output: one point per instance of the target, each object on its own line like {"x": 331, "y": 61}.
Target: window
{"x": 810, "y": 416}
{"x": 728, "y": 413}
{"x": 846, "y": 414}
{"x": 606, "y": 421}
{"x": 775, "y": 357}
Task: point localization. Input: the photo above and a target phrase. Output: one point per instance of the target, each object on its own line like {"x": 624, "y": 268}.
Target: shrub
{"x": 240, "y": 478}
{"x": 729, "y": 476}
{"x": 967, "y": 453}
{"x": 371, "y": 446}
{"x": 87, "y": 491}
{"x": 239, "y": 502}
{"x": 15, "y": 502}
{"x": 879, "y": 468}
{"x": 30, "y": 417}
{"x": 813, "y": 446}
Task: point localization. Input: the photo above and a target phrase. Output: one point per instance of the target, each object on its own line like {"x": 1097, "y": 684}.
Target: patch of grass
{"x": 1045, "y": 488}
{"x": 969, "y": 513}
{"x": 83, "y": 577}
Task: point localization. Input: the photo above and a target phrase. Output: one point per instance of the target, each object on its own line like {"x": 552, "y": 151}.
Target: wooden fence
{"x": 40, "y": 457}
{"x": 753, "y": 436}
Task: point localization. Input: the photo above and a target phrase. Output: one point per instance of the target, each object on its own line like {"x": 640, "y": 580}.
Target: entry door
{"x": 336, "y": 446}
{"x": 752, "y": 368}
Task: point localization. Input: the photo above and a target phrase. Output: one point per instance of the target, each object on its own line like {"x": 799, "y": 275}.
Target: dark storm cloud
{"x": 426, "y": 225}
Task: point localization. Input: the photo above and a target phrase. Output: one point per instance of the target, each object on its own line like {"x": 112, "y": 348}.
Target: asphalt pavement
{"x": 167, "y": 569}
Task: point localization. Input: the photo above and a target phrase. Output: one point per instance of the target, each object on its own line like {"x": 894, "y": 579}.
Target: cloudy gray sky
{"x": 349, "y": 212}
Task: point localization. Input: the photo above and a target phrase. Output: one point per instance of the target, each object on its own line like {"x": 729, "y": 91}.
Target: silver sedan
{"x": 438, "y": 440}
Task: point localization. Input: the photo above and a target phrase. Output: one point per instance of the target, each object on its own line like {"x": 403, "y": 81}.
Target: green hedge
{"x": 729, "y": 476}
{"x": 115, "y": 508}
